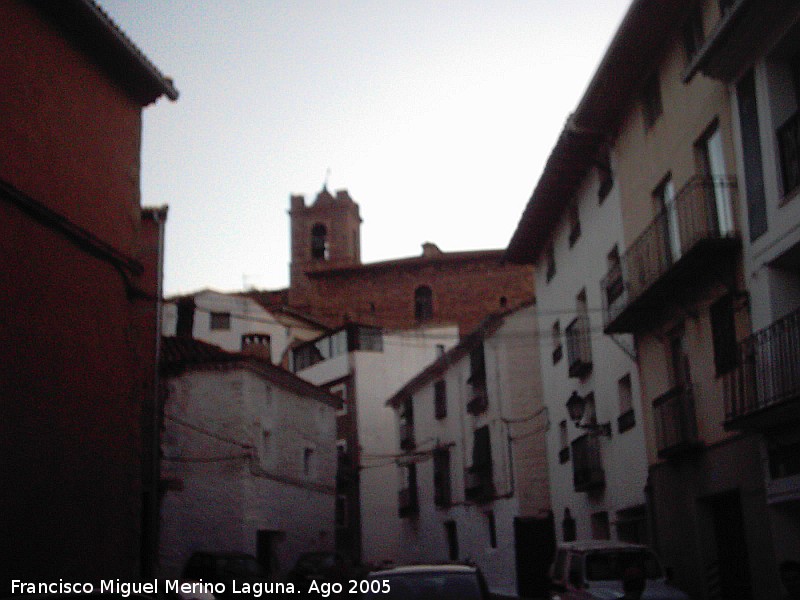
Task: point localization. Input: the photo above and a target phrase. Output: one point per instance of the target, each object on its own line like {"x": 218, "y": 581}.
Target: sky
{"x": 437, "y": 116}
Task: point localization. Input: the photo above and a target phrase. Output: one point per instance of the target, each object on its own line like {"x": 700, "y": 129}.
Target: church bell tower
{"x": 324, "y": 235}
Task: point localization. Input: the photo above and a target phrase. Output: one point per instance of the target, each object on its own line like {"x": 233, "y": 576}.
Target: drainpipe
{"x": 160, "y": 217}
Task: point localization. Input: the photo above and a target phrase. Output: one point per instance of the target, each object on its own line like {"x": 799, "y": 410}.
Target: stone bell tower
{"x": 325, "y": 235}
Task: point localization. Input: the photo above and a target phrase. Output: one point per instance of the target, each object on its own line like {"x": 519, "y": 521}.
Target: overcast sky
{"x": 437, "y": 116}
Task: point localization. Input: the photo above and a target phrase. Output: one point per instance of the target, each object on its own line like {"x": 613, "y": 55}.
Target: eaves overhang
{"x": 732, "y": 45}
{"x": 92, "y": 31}
{"x": 629, "y": 59}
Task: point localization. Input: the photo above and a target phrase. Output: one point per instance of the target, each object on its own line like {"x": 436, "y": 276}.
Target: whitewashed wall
{"x": 227, "y": 480}
{"x": 579, "y": 266}
{"x": 512, "y": 373}
{"x": 247, "y": 316}
{"x": 377, "y": 375}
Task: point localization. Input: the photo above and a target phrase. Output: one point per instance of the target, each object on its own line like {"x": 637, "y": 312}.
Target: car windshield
{"x": 610, "y": 565}
{"x": 426, "y": 586}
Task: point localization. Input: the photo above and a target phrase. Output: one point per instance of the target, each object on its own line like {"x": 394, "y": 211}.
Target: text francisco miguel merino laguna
{"x": 125, "y": 589}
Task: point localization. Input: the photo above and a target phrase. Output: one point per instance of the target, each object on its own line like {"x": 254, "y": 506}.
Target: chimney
{"x": 257, "y": 345}
{"x": 430, "y": 249}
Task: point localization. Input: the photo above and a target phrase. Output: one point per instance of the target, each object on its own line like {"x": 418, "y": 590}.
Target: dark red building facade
{"x": 80, "y": 288}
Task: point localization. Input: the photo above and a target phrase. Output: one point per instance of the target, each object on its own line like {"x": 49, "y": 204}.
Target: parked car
{"x": 224, "y": 567}
{"x": 594, "y": 569}
{"x": 320, "y": 566}
{"x": 425, "y": 582}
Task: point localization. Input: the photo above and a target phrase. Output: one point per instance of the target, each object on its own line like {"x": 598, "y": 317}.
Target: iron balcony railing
{"x": 768, "y": 369}
{"x": 675, "y": 421}
{"x": 407, "y": 502}
{"x": 587, "y": 464}
{"x": 406, "y": 436}
{"x": 579, "y": 348}
{"x": 478, "y": 484}
{"x": 702, "y": 210}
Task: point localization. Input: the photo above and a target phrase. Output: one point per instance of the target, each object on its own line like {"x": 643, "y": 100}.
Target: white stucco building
{"x": 597, "y": 464}
{"x": 233, "y": 321}
{"x": 248, "y": 459}
{"x": 365, "y": 365}
{"x": 471, "y": 465}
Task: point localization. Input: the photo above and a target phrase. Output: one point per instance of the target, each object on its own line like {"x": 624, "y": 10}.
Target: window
{"x": 490, "y": 521}
{"x": 751, "y": 154}
{"x": 220, "y": 321}
{"x": 477, "y": 366}
{"x": 569, "y": 528}
{"x": 627, "y": 418}
{"x": 558, "y": 349}
{"x": 319, "y": 242}
{"x": 563, "y": 438}
{"x": 604, "y": 173}
{"x": 574, "y": 223}
{"x": 441, "y": 477}
{"x": 632, "y": 525}
{"x": 789, "y": 149}
{"x": 693, "y": 35}
{"x": 710, "y": 157}
{"x": 340, "y": 389}
{"x": 614, "y": 286}
{"x": 664, "y": 199}
{"x": 550, "y": 257}
{"x": 341, "y": 451}
{"x": 440, "y": 398}
{"x": 600, "y": 526}
{"x": 481, "y": 450}
{"x": 651, "y": 101}
{"x": 451, "y": 532}
{"x": 579, "y": 348}
{"x": 407, "y": 425}
{"x": 423, "y": 303}
{"x": 408, "y": 499}
{"x": 723, "y": 334}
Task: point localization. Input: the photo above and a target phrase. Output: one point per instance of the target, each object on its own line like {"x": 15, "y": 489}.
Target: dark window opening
{"x": 751, "y": 152}
{"x": 319, "y": 242}
{"x": 723, "y": 334}
{"x": 441, "y": 477}
{"x": 407, "y": 425}
{"x": 490, "y": 521}
{"x": 440, "y": 399}
{"x": 220, "y": 321}
{"x": 693, "y": 35}
{"x": 452, "y": 539}
{"x": 551, "y": 262}
{"x": 423, "y": 303}
{"x": 574, "y": 224}
{"x": 651, "y": 101}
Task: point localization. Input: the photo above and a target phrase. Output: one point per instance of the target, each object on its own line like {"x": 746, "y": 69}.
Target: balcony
{"x": 579, "y": 349}
{"x": 729, "y": 45}
{"x": 683, "y": 247}
{"x": 478, "y": 485}
{"x": 764, "y": 389}
{"x": 407, "y": 436}
{"x": 675, "y": 422}
{"x": 587, "y": 464}
{"x": 479, "y": 402}
{"x": 407, "y": 502}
